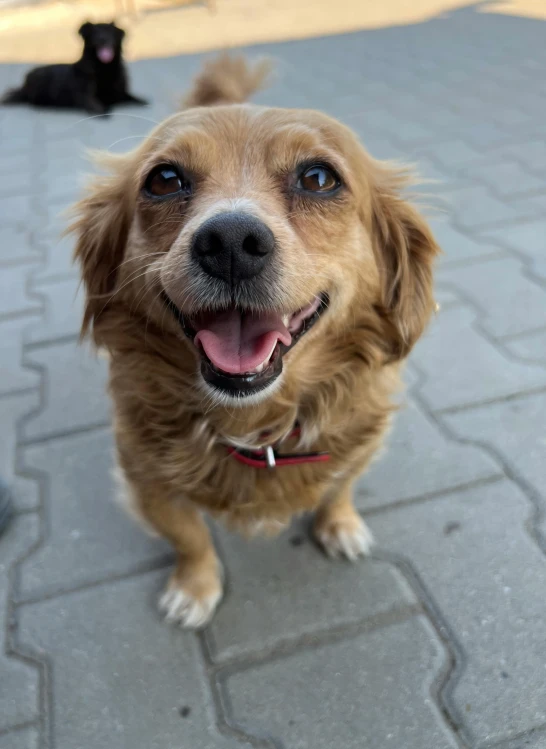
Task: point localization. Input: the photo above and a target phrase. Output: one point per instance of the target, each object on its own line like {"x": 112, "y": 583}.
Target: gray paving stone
{"x": 418, "y": 461}
{"x": 17, "y": 178}
{"x": 19, "y": 682}
{"x": 16, "y": 247}
{"x": 508, "y": 179}
{"x": 12, "y": 409}
{"x": 27, "y": 738}
{"x": 475, "y": 558}
{"x": 14, "y": 299}
{"x": 339, "y": 694}
{"x": 58, "y": 259}
{"x": 63, "y": 310}
{"x": 531, "y": 347}
{"x": 462, "y": 368}
{"x": 532, "y": 740}
{"x": 476, "y": 207}
{"x": 516, "y": 429}
{"x": 267, "y": 603}
{"x": 74, "y": 390}
{"x": 17, "y": 211}
{"x": 90, "y": 538}
{"x": 452, "y": 155}
{"x": 140, "y": 674}
{"x": 446, "y": 297}
{"x": 532, "y": 153}
{"x": 509, "y": 303}
{"x": 458, "y": 247}
{"x": 13, "y": 375}
{"x": 529, "y": 239}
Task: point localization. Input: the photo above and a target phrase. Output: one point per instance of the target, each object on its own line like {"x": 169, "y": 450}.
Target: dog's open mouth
{"x": 241, "y": 351}
{"x": 105, "y": 53}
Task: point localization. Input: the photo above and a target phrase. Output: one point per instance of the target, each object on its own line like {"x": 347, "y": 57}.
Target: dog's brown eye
{"x": 318, "y": 179}
{"x": 165, "y": 180}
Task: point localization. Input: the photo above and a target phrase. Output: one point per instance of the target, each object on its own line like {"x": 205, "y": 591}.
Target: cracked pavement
{"x": 436, "y": 641}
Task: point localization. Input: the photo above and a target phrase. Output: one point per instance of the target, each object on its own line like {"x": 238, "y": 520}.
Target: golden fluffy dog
{"x": 257, "y": 279}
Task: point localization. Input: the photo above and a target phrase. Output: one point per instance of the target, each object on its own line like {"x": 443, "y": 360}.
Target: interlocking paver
{"x": 514, "y": 428}
{"x": 476, "y": 559}
{"x": 63, "y": 310}
{"x": 272, "y": 605}
{"x": 16, "y": 246}
{"x": 477, "y": 208}
{"x": 58, "y": 261}
{"x": 12, "y": 410}
{"x": 531, "y": 740}
{"x": 66, "y": 408}
{"x": 529, "y": 240}
{"x": 19, "y": 681}
{"x": 458, "y": 247}
{"x": 26, "y": 738}
{"x": 531, "y": 153}
{"x": 531, "y": 346}
{"x": 319, "y": 698}
{"x": 13, "y": 375}
{"x": 123, "y": 679}
{"x": 89, "y": 537}
{"x": 14, "y": 298}
{"x": 505, "y": 309}
{"x": 507, "y": 179}
{"x": 486, "y": 375}
{"x": 18, "y": 211}
{"x": 420, "y": 460}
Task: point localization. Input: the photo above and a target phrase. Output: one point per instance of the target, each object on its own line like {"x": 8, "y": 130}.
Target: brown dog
{"x": 257, "y": 279}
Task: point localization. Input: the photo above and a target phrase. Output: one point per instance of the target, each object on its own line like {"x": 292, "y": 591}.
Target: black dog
{"x": 96, "y": 83}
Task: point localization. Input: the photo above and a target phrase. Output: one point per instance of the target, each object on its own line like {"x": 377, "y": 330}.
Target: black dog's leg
{"x": 130, "y": 99}
{"x": 91, "y": 104}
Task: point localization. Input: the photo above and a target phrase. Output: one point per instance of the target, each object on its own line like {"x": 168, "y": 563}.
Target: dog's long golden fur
{"x": 369, "y": 248}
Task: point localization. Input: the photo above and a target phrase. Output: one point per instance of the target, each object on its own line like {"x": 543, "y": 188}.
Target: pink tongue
{"x": 237, "y": 343}
{"x": 105, "y": 54}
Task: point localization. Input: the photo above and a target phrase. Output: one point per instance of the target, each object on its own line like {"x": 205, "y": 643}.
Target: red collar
{"x": 268, "y": 457}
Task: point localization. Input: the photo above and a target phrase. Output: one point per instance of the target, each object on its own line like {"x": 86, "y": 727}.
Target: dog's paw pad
{"x": 190, "y": 612}
{"x": 347, "y": 537}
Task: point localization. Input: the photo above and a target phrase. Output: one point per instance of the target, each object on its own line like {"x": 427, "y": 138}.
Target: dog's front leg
{"x": 195, "y": 587}
{"x": 338, "y": 527}
{"x": 88, "y": 101}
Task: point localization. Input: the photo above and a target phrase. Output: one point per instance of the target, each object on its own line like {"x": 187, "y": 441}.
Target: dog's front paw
{"x": 343, "y": 535}
{"x": 191, "y": 600}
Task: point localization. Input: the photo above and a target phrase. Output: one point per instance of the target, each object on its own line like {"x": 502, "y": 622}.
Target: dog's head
{"x": 266, "y": 240}
{"x": 102, "y": 41}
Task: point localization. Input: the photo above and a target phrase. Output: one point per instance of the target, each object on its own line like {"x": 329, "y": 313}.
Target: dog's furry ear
{"x": 405, "y": 249}
{"x": 84, "y": 29}
{"x": 227, "y": 80}
{"x": 102, "y": 219}
{"x": 121, "y": 32}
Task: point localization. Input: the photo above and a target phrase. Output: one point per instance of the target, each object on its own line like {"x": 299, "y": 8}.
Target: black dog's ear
{"x": 121, "y": 32}
{"x": 85, "y": 28}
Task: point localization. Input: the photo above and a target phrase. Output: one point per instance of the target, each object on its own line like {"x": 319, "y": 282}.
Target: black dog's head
{"x": 102, "y": 41}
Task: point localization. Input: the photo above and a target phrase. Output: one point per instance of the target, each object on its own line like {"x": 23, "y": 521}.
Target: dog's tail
{"x": 227, "y": 80}
{"x": 14, "y": 96}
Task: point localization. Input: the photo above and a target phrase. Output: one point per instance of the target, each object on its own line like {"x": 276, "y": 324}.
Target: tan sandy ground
{"x": 46, "y": 31}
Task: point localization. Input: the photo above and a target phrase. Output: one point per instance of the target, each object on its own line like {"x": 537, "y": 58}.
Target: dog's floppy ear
{"x": 101, "y": 225}
{"x": 405, "y": 250}
{"x": 121, "y": 32}
{"x": 84, "y": 29}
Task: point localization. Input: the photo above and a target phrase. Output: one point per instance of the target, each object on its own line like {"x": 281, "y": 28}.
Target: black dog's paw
{"x": 130, "y": 99}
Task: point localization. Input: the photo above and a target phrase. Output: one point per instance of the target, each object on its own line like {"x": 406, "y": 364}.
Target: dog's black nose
{"x": 233, "y": 246}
